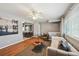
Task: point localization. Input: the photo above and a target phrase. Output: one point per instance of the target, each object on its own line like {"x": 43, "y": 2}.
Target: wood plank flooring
{"x": 15, "y": 49}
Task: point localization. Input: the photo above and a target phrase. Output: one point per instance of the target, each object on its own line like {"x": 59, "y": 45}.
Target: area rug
{"x": 28, "y": 50}
{"x": 38, "y": 48}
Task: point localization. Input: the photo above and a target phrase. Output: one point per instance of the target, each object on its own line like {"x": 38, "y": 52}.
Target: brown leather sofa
{"x": 53, "y": 49}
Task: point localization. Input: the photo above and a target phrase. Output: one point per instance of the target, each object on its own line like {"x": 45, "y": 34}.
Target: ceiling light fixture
{"x": 35, "y": 15}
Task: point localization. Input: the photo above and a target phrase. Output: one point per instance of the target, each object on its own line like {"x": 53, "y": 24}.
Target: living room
{"x": 33, "y": 29}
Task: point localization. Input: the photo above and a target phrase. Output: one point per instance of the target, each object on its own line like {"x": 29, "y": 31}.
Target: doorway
{"x": 27, "y": 30}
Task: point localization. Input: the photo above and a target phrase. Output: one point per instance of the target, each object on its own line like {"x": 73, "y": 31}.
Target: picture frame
{"x": 8, "y": 27}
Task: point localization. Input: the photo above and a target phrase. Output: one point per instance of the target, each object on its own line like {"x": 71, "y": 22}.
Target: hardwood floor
{"x": 15, "y": 49}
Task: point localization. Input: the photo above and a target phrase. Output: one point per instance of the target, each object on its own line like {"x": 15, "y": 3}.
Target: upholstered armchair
{"x": 54, "y": 48}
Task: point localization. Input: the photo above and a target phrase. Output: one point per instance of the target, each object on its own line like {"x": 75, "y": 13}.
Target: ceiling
{"x": 24, "y": 11}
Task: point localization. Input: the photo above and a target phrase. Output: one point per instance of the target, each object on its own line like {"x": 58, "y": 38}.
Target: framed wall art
{"x": 8, "y": 27}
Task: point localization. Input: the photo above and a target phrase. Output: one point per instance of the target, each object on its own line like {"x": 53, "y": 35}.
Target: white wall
{"x": 8, "y": 40}
{"x": 36, "y": 28}
{"x": 62, "y": 26}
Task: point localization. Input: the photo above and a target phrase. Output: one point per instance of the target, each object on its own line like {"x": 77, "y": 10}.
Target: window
{"x": 71, "y": 25}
